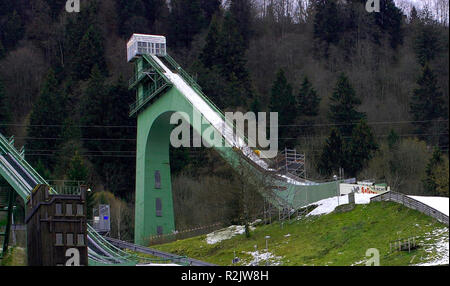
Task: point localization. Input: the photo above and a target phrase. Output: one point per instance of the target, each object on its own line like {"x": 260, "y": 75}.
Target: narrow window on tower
{"x": 157, "y": 180}
{"x": 158, "y": 207}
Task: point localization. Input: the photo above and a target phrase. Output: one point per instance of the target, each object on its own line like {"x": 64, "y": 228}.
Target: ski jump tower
{"x": 163, "y": 88}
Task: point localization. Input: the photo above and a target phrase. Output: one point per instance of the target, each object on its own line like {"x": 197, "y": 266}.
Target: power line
{"x": 368, "y": 122}
{"x": 112, "y": 151}
{"x": 378, "y": 136}
{"x": 86, "y": 155}
{"x": 82, "y": 139}
{"x": 306, "y": 136}
{"x": 288, "y": 125}
{"x": 58, "y": 125}
{"x": 315, "y": 151}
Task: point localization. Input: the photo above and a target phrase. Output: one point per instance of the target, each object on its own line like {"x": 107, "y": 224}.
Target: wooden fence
{"x": 412, "y": 204}
{"x": 188, "y": 233}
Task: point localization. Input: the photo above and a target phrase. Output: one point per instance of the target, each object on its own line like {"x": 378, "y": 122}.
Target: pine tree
{"x": 427, "y": 102}
{"x": 393, "y": 140}
{"x": 153, "y": 10}
{"x": 332, "y": 157}
{"x": 307, "y": 100}
{"x": 231, "y": 63}
{"x": 255, "y": 106}
{"x": 209, "y": 54}
{"x": 231, "y": 54}
{"x": 77, "y": 169}
{"x": 442, "y": 179}
{"x": 5, "y": 115}
{"x": 42, "y": 170}
{"x": 343, "y": 108}
{"x": 108, "y": 105}
{"x": 91, "y": 52}
{"x": 2, "y": 50}
{"x": 76, "y": 26}
{"x": 78, "y": 172}
{"x": 427, "y": 42}
{"x": 127, "y": 10}
{"x": 118, "y": 170}
{"x": 414, "y": 16}
{"x": 94, "y": 107}
{"x": 390, "y": 20}
{"x": 213, "y": 84}
{"x": 94, "y": 112}
{"x": 11, "y": 30}
{"x": 210, "y": 8}
{"x": 186, "y": 21}
{"x": 241, "y": 11}
{"x": 361, "y": 149}
{"x": 47, "y": 116}
{"x": 436, "y": 182}
{"x": 326, "y": 21}
{"x": 283, "y": 101}
{"x": 56, "y": 6}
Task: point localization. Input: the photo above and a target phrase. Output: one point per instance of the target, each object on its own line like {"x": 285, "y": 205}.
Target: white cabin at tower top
{"x": 141, "y": 44}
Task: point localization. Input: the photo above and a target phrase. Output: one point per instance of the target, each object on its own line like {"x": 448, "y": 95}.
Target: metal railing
{"x": 146, "y": 98}
{"x": 66, "y": 187}
{"x": 164, "y": 255}
{"x": 412, "y": 204}
{"x": 162, "y": 84}
{"x": 17, "y": 155}
{"x": 137, "y": 77}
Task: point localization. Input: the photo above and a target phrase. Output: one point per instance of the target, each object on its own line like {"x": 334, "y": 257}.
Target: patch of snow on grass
{"x": 156, "y": 264}
{"x": 327, "y": 206}
{"x": 261, "y": 258}
{"x": 359, "y": 263}
{"x": 225, "y": 233}
{"x": 439, "y": 251}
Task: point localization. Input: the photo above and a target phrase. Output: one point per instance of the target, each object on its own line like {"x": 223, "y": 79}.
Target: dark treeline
{"x": 366, "y": 92}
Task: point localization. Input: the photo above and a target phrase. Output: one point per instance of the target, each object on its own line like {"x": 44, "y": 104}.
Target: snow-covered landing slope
{"x": 438, "y": 203}
{"x": 327, "y": 206}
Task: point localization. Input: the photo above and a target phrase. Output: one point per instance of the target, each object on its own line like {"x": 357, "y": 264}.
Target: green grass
{"x": 16, "y": 256}
{"x": 333, "y": 239}
{"x": 148, "y": 258}
{"x": 2, "y": 219}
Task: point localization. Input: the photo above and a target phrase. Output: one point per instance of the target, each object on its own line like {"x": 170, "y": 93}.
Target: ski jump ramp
{"x": 164, "y": 88}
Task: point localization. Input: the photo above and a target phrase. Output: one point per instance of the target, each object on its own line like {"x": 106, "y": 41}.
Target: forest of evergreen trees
{"x": 366, "y": 92}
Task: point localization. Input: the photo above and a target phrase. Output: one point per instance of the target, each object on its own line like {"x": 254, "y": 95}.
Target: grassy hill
{"x": 16, "y": 256}
{"x": 334, "y": 239}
